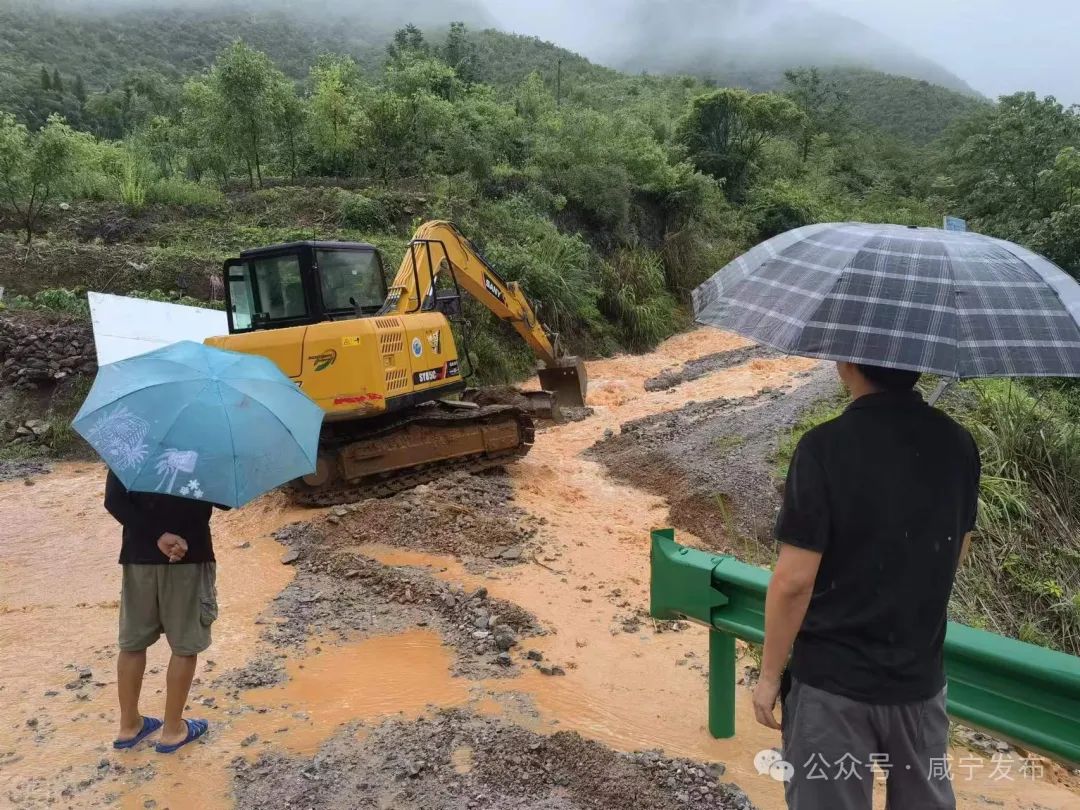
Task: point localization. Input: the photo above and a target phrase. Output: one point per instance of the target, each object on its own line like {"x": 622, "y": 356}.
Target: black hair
{"x": 890, "y": 379}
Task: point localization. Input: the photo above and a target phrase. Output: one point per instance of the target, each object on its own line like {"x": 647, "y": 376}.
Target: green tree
{"x": 33, "y": 167}
{"x": 460, "y": 54}
{"x": 46, "y": 82}
{"x": 206, "y": 142}
{"x": 1002, "y": 165}
{"x": 80, "y": 89}
{"x": 335, "y": 119}
{"x": 289, "y": 117}
{"x": 244, "y": 82}
{"x": 724, "y": 131}
{"x": 823, "y": 103}
{"x": 407, "y": 40}
{"x": 57, "y": 81}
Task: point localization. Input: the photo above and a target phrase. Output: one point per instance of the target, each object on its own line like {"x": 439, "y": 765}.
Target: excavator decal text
{"x": 451, "y": 369}
{"x": 493, "y": 288}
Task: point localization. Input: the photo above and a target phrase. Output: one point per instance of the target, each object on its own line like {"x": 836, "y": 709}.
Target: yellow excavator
{"x": 383, "y": 362}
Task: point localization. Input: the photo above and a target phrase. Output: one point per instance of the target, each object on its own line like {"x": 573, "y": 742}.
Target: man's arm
{"x": 786, "y": 601}
{"x": 118, "y": 503}
{"x": 120, "y": 506}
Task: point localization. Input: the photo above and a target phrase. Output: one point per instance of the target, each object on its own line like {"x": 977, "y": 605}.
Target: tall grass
{"x": 1023, "y": 577}
{"x": 635, "y": 298}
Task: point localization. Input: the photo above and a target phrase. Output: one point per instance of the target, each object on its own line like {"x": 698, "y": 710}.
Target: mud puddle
{"x": 457, "y": 760}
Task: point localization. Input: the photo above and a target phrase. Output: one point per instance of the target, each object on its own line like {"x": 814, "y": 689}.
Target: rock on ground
{"x": 699, "y": 367}
{"x": 338, "y": 590}
{"x": 713, "y": 461}
{"x": 456, "y": 760}
{"x": 266, "y": 669}
{"x": 471, "y": 516}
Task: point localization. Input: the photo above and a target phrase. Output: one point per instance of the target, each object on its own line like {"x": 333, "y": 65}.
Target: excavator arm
{"x": 438, "y": 247}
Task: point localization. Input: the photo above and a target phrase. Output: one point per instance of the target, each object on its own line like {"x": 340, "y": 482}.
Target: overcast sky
{"x": 997, "y": 46}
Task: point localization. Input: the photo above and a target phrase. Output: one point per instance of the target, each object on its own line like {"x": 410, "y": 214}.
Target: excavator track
{"x": 386, "y": 484}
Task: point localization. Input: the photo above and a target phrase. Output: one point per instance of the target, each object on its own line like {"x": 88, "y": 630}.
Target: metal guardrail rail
{"x": 1025, "y": 694}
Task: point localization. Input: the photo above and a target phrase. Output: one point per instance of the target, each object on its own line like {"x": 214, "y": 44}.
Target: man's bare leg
{"x": 177, "y": 684}
{"x": 130, "y": 667}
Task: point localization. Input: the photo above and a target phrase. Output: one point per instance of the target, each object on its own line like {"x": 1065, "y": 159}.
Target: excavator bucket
{"x": 568, "y": 380}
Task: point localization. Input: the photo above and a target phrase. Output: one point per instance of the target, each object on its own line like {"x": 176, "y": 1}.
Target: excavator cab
{"x": 303, "y": 283}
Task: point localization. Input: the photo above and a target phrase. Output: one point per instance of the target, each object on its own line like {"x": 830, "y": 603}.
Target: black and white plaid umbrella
{"x": 956, "y": 304}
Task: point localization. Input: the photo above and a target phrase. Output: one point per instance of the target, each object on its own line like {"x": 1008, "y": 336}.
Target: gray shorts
{"x": 179, "y": 600}
{"x": 833, "y": 744}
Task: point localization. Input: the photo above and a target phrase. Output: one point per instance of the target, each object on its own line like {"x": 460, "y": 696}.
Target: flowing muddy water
{"x": 626, "y": 684}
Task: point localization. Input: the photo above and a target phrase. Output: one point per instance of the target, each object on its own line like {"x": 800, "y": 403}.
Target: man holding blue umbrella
{"x": 182, "y": 429}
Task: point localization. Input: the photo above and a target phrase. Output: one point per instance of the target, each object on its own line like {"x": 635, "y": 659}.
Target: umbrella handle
{"x": 942, "y": 387}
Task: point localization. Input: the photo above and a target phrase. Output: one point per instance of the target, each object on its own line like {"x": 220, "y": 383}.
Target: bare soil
{"x": 457, "y": 760}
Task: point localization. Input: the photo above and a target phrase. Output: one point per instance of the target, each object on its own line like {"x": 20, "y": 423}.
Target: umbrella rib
{"x": 232, "y": 444}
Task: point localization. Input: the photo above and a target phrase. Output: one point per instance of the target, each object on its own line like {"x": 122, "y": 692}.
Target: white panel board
{"x": 125, "y": 327}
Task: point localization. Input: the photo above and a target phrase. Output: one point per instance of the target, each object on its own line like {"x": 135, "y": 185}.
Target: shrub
{"x": 364, "y": 213}
{"x": 53, "y": 299}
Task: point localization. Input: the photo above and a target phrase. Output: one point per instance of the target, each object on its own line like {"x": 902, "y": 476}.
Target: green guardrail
{"x": 1025, "y": 694}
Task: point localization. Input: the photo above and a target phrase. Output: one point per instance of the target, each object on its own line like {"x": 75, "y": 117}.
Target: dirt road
{"x": 483, "y": 642}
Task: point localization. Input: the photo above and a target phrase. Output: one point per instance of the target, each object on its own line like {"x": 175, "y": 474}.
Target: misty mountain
{"x": 104, "y": 42}
{"x": 754, "y": 41}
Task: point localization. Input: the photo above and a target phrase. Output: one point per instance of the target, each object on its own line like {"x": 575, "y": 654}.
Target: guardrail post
{"x": 721, "y": 684}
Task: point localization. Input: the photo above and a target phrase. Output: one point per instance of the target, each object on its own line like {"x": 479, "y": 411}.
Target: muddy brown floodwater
{"x": 629, "y": 684}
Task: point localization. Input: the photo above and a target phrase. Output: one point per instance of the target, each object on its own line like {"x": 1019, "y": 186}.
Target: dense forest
{"x": 137, "y": 154}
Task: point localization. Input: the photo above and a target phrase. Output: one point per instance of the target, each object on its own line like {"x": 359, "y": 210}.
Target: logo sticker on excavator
{"x": 434, "y": 340}
{"x": 417, "y": 347}
{"x": 493, "y": 288}
{"x": 348, "y": 342}
{"x": 324, "y": 360}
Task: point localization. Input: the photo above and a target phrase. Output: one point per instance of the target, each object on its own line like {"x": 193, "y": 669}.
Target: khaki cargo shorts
{"x": 179, "y": 600}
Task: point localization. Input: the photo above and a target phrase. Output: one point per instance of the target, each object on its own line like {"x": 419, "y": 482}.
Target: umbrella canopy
{"x": 956, "y": 304}
{"x": 201, "y": 423}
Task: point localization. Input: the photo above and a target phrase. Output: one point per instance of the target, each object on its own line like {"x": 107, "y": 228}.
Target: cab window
{"x": 351, "y": 279}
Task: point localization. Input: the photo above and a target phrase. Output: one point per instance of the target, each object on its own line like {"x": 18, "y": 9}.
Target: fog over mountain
{"x": 993, "y": 46}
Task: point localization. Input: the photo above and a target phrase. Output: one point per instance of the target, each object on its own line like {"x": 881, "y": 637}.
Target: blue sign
{"x": 955, "y": 224}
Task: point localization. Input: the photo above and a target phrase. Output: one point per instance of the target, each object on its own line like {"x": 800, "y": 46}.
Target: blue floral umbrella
{"x": 201, "y": 423}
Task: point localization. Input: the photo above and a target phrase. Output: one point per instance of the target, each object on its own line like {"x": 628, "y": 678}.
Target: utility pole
{"x": 558, "y": 84}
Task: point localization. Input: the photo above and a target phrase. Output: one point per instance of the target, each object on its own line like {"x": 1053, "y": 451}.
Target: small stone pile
{"x": 37, "y": 353}
{"x": 456, "y": 760}
{"x": 32, "y": 431}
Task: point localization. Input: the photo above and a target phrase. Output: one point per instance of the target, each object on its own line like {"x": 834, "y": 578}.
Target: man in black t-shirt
{"x": 878, "y": 512}
{"x": 169, "y": 586}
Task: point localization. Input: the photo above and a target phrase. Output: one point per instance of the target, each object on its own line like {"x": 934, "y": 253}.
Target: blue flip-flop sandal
{"x": 149, "y": 726}
{"x": 196, "y": 728}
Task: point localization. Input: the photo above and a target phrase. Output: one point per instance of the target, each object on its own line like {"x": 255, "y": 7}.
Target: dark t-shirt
{"x": 146, "y": 516}
{"x": 886, "y": 492}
